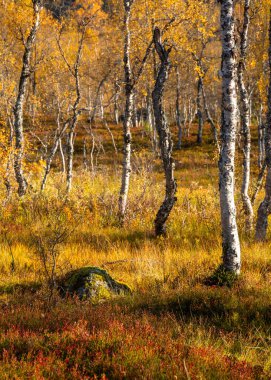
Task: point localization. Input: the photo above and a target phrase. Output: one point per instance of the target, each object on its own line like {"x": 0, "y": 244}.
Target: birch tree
{"x": 20, "y": 100}
{"x": 245, "y": 118}
{"x": 163, "y": 131}
{"x": 231, "y": 244}
{"x": 199, "y": 110}
{"x": 131, "y": 79}
{"x": 264, "y": 209}
{"x": 128, "y": 117}
{"x": 178, "y": 111}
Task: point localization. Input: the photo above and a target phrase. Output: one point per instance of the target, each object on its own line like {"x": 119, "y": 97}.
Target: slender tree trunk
{"x": 75, "y": 110}
{"x": 34, "y": 88}
{"x": 135, "y": 116}
{"x": 116, "y": 101}
{"x": 178, "y": 111}
{"x": 265, "y": 207}
{"x": 259, "y": 184}
{"x": 70, "y": 154}
{"x": 245, "y": 121}
{"x": 85, "y": 160}
{"x": 128, "y": 117}
{"x": 19, "y": 105}
{"x": 7, "y": 174}
{"x": 261, "y": 138}
{"x": 63, "y": 161}
{"x": 191, "y": 115}
{"x": 165, "y": 140}
{"x": 111, "y": 135}
{"x": 150, "y": 118}
{"x": 231, "y": 244}
{"x": 49, "y": 163}
{"x": 199, "y": 111}
{"x": 58, "y": 136}
{"x": 97, "y": 99}
{"x": 209, "y": 118}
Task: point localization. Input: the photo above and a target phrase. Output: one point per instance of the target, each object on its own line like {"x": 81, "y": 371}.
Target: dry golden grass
{"x": 173, "y": 326}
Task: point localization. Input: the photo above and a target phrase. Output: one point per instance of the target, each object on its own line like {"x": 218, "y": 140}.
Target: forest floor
{"x": 173, "y": 326}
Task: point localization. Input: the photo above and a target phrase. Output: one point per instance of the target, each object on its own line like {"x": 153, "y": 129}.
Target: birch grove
{"x": 79, "y": 79}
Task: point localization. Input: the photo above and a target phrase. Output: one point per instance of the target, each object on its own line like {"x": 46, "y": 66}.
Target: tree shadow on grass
{"x": 232, "y": 310}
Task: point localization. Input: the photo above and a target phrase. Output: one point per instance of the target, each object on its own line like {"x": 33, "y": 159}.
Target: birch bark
{"x": 165, "y": 140}
{"x": 231, "y": 244}
{"x": 178, "y": 111}
{"x": 199, "y": 111}
{"x": 264, "y": 209}
{"x": 261, "y": 138}
{"x": 128, "y": 118}
{"x": 19, "y": 105}
{"x": 245, "y": 120}
{"x": 209, "y": 118}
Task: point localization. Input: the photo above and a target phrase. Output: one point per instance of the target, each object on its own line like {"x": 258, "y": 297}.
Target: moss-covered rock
{"x": 91, "y": 283}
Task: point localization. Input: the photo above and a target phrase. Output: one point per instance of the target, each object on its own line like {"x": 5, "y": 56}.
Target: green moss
{"x": 93, "y": 283}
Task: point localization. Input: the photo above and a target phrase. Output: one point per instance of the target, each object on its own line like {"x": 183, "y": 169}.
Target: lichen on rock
{"x": 91, "y": 283}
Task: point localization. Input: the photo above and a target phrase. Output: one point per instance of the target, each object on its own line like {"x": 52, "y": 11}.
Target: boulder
{"x": 91, "y": 283}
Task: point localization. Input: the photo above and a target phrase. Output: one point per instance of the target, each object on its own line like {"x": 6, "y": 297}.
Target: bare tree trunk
{"x": 261, "y": 138}
{"x": 135, "y": 118}
{"x": 128, "y": 118}
{"x": 245, "y": 121}
{"x": 191, "y": 115}
{"x": 57, "y": 143}
{"x": 210, "y": 119}
{"x": 111, "y": 135}
{"x": 165, "y": 140}
{"x": 19, "y": 105}
{"x": 34, "y": 88}
{"x": 231, "y": 244}
{"x": 7, "y": 174}
{"x": 89, "y": 130}
{"x": 259, "y": 184}
{"x": 97, "y": 98}
{"x": 85, "y": 160}
{"x": 70, "y": 154}
{"x": 178, "y": 111}
{"x": 150, "y": 118}
{"x": 199, "y": 111}
{"x": 265, "y": 207}
{"x": 63, "y": 162}
{"x": 75, "y": 110}
{"x": 116, "y": 101}
{"x": 73, "y": 124}
{"x": 49, "y": 163}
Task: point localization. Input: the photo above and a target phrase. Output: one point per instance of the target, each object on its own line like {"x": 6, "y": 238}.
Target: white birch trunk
{"x": 245, "y": 121}
{"x": 75, "y": 110}
{"x": 116, "y": 101}
{"x": 19, "y": 105}
{"x": 265, "y": 207}
{"x": 165, "y": 141}
{"x": 62, "y": 156}
{"x": 199, "y": 111}
{"x": 210, "y": 119}
{"x": 261, "y": 138}
{"x": 231, "y": 244}
{"x": 178, "y": 111}
{"x": 128, "y": 117}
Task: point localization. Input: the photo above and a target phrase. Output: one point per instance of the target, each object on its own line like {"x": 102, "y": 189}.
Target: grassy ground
{"x": 173, "y": 326}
